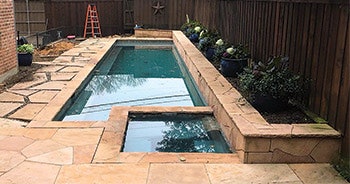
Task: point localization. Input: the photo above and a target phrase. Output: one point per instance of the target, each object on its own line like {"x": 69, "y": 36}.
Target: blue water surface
{"x": 134, "y": 76}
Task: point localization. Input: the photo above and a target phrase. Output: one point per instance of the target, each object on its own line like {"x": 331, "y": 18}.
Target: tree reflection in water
{"x": 110, "y": 83}
{"x": 185, "y": 137}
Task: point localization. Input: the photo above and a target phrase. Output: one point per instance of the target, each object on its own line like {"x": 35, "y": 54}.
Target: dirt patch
{"x": 56, "y": 49}
{"x": 25, "y": 73}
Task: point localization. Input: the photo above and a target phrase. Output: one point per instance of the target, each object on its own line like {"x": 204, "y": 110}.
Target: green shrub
{"x": 272, "y": 79}
{"x": 26, "y": 48}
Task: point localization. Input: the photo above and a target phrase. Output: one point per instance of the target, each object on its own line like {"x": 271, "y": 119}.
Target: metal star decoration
{"x": 158, "y": 8}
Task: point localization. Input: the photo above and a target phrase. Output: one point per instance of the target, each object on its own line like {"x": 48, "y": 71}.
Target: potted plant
{"x": 233, "y": 60}
{"x": 219, "y": 48}
{"x": 194, "y": 36}
{"x": 206, "y": 43}
{"x": 25, "y": 54}
{"x": 191, "y": 28}
{"x": 269, "y": 87}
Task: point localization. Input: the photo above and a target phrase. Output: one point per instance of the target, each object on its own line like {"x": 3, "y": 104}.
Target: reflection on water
{"x": 169, "y": 134}
{"x": 160, "y": 92}
{"x": 133, "y": 77}
{"x": 111, "y": 83}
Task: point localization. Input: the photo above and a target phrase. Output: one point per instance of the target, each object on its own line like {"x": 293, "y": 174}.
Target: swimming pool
{"x": 134, "y": 73}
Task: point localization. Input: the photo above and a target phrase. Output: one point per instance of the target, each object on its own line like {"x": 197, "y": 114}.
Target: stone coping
{"x": 155, "y": 33}
{"x": 111, "y": 143}
{"x": 114, "y": 135}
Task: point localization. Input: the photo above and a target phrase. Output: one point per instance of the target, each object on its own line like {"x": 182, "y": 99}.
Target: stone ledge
{"x": 153, "y": 33}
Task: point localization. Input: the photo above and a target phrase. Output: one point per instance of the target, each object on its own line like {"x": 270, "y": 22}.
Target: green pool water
{"x": 134, "y": 74}
{"x": 174, "y": 133}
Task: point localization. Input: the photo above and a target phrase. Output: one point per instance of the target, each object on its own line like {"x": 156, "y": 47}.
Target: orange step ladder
{"x": 92, "y": 24}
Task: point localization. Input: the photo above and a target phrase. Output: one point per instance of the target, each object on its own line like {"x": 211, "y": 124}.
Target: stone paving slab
{"x": 38, "y": 78}
{"x": 317, "y": 173}
{"x": 51, "y": 85}
{"x": 23, "y": 92}
{"x": 31, "y": 172}
{"x": 178, "y": 173}
{"x": 251, "y": 173}
{"x": 6, "y": 108}
{"x": 28, "y": 112}
{"x": 106, "y": 173}
{"x": 36, "y": 155}
{"x": 42, "y": 96}
{"x": 9, "y": 123}
{"x": 62, "y": 76}
{"x": 71, "y": 69}
{"x": 51, "y": 69}
{"x": 10, "y": 97}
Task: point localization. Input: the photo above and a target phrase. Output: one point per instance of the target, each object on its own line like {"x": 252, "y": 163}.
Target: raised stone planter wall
{"x": 255, "y": 140}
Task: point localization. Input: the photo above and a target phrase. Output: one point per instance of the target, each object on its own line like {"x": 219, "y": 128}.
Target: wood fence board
{"x": 299, "y": 36}
{"x": 330, "y": 62}
{"x": 315, "y": 57}
{"x": 343, "y": 95}
{"x": 294, "y": 35}
{"x": 305, "y": 37}
{"x": 341, "y": 67}
{"x": 322, "y": 59}
{"x": 277, "y": 23}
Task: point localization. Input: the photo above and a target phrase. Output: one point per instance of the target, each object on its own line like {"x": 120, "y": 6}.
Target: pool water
{"x": 133, "y": 74}
{"x": 175, "y": 133}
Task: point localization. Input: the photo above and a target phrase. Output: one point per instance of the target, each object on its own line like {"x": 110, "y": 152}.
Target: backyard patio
{"x": 38, "y": 146}
{"x": 88, "y": 152}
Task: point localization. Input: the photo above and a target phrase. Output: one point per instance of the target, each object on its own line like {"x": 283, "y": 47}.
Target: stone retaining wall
{"x": 255, "y": 140}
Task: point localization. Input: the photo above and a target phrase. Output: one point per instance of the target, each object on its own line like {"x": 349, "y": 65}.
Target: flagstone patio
{"x": 35, "y": 149}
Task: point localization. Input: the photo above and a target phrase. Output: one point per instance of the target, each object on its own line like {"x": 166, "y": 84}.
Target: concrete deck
{"x": 35, "y": 149}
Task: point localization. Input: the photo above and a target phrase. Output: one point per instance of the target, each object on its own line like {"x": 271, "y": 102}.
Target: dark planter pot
{"x": 209, "y": 53}
{"x": 232, "y": 67}
{"x": 266, "y": 103}
{"x": 25, "y": 59}
{"x": 194, "y": 38}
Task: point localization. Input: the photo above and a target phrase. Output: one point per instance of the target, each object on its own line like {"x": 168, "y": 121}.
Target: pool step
{"x": 108, "y": 63}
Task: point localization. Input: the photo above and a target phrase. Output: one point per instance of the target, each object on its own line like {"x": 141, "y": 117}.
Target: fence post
{"x": 37, "y": 40}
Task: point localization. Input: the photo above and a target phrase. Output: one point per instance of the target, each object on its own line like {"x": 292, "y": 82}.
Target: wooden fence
{"x": 30, "y": 16}
{"x": 72, "y": 13}
{"x": 315, "y": 36}
{"x": 313, "y": 33}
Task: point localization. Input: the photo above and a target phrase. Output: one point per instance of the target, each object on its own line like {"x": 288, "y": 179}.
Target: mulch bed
{"x": 292, "y": 115}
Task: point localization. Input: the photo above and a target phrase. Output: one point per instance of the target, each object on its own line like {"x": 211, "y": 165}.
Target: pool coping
{"x": 255, "y": 140}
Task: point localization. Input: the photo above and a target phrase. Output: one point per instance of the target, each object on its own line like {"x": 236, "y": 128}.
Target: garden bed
{"x": 247, "y": 131}
{"x": 293, "y": 115}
